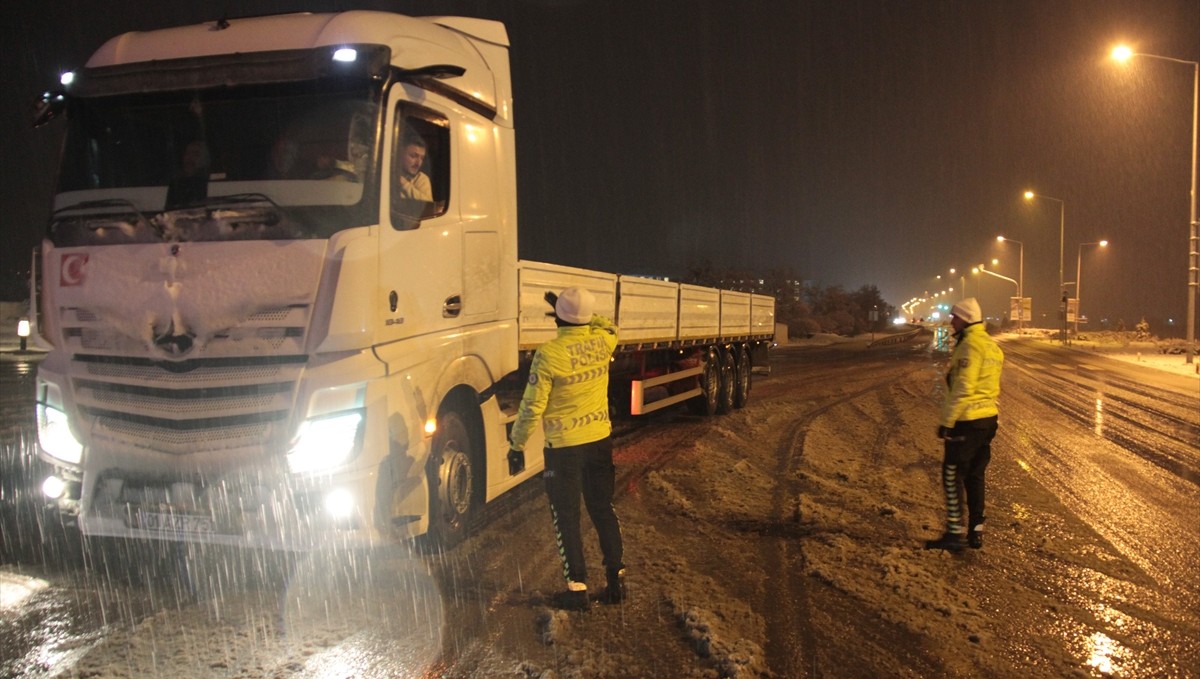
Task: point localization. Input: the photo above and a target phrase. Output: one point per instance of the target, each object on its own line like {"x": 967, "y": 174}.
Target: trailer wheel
{"x": 452, "y": 483}
{"x": 710, "y": 386}
{"x": 725, "y": 397}
{"x": 741, "y": 377}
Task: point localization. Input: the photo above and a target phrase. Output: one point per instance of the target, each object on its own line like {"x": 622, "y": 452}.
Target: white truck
{"x": 261, "y": 334}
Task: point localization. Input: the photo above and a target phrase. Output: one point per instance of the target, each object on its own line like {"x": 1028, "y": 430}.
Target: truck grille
{"x": 279, "y": 329}
{"x": 187, "y": 406}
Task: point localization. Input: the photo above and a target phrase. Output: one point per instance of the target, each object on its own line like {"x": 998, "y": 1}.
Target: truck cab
{"x": 258, "y": 328}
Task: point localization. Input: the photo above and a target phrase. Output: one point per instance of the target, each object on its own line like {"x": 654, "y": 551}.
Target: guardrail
{"x": 895, "y": 339}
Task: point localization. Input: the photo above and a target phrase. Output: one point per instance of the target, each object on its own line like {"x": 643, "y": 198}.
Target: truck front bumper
{"x": 261, "y": 509}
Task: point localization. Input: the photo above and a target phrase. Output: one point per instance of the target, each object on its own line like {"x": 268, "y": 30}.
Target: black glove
{"x": 516, "y": 462}
{"x": 551, "y": 298}
{"x": 944, "y": 432}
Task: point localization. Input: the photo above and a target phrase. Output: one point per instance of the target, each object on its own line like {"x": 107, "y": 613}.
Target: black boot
{"x": 615, "y": 593}
{"x": 975, "y": 536}
{"x": 951, "y": 542}
{"x": 572, "y": 600}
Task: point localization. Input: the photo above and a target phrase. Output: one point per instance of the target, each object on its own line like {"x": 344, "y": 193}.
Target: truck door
{"x": 421, "y": 243}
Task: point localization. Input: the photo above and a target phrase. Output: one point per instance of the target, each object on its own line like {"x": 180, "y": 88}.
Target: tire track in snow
{"x": 791, "y": 644}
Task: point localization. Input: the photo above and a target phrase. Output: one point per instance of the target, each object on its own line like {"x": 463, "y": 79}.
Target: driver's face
{"x": 414, "y": 158}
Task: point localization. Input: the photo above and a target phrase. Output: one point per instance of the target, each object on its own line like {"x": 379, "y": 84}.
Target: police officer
{"x": 968, "y": 424}
{"x": 568, "y": 392}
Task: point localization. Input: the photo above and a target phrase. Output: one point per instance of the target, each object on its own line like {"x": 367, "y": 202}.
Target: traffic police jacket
{"x": 568, "y": 387}
{"x": 973, "y": 378}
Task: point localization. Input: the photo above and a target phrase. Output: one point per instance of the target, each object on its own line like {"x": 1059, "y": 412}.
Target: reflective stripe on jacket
{"x": 568, "y": 387}
{"x": 973, "y": 378}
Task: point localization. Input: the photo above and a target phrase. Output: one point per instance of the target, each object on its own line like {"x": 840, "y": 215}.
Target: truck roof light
{"x": 346, "y": 54}
{"x": 67, "y": 78}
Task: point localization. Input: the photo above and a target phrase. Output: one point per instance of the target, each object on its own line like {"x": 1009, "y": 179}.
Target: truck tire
{"x": 453, "y": 477}
{"x": 742, "y": 367}
{"x": 725, "y": 397}
{"x": 710, "y": 386}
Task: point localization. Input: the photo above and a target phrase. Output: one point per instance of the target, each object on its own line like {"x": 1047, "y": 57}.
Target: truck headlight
{"x": 326, "y": 442}
{"x": 55, "y": 437}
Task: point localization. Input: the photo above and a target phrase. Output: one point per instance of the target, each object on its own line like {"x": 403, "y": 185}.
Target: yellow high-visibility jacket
{"x": 568, "y": 387}
{"x": 973, "y": 378}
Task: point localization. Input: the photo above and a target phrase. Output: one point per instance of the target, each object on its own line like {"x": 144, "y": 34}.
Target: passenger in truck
{"x": 329, "y": 167}
{"x": 411, "y": 182}
{"x": 190, "y": 184}
{"x": 284, "y": 156}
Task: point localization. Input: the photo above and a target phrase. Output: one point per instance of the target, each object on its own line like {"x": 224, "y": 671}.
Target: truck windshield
{"x": 268, "y": 161}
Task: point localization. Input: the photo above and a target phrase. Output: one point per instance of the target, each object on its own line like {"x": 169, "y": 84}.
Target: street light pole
{"x": 1062, "y": 221}
{"x": 1079, "y": 277}
{"x": 1123, "y": 53}
{"x": 962, "y": 283}
{"x": 983, "y": 269}
{"x": 1020, "y": 278}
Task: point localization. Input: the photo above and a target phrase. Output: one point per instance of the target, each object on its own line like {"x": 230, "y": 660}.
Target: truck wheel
{"x": 710, "y": 386}
{"x": 741, "y": 377}
{"x": 453, "y": 476}
{"x": 725, "y": 397}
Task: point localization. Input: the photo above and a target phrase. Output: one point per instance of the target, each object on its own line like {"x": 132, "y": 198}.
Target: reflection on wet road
{"x": 1092, "y": 563}
{"x": 1153, "y": 415}
{"x": 1119, "y": 447}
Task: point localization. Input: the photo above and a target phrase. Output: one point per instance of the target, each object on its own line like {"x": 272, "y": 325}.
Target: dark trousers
{"x": 968, "y": 451}
{"x": 585, "y": 470}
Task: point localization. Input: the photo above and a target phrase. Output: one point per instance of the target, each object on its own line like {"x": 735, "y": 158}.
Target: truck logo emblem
{"x": 72, "y": 270}
{"x": 172, "y": 343}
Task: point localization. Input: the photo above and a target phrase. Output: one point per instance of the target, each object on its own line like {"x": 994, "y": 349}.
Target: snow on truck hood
{"x": 171, "y": 300}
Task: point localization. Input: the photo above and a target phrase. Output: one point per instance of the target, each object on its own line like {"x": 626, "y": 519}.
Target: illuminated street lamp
{"x": 1124, "y": 53}
{"x": 1079, "y": 276}
{"x": 23, "y": 333}
{"x": 962, "y": 280}
{"x": 1062, "y": 220}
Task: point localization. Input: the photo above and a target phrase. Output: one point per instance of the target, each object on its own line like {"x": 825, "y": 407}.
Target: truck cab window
{"x": 420, "y": 173}
{"x": 275, "y": 161}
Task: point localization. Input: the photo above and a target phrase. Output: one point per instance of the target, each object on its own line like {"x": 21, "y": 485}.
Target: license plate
{"x": 173, "y": 523}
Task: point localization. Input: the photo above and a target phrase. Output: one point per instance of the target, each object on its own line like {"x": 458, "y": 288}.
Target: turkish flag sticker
{"x": 73, "y": 270}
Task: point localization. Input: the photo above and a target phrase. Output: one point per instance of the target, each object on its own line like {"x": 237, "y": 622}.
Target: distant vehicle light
{"x": 67, "y": 78}
{"x": 900, "y": 320}
{"x": 346, "y": 54}
{"x": 325, "y": 443}
{"x": 55, "y": 437}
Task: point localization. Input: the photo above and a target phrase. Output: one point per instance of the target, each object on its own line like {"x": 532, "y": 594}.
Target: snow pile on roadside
{"x": 1165, "y": 355}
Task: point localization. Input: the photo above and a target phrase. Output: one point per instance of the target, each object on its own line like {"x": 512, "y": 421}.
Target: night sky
{"x": 852, "y": 143}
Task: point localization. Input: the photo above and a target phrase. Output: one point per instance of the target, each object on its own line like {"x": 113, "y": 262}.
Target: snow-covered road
{"x": 783, "y": 539}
